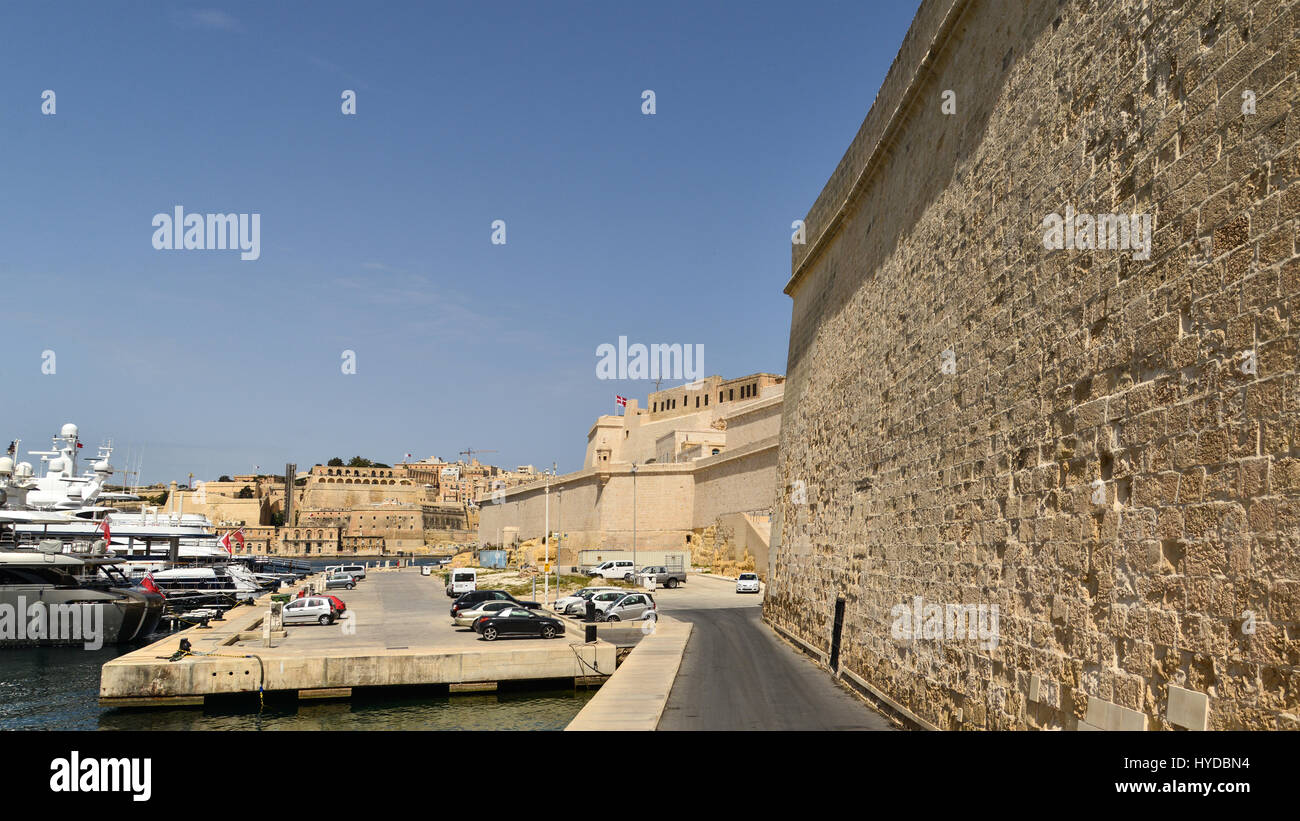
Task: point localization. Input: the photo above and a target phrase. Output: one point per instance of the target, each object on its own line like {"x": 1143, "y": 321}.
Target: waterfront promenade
{"x": 712, "y": 664}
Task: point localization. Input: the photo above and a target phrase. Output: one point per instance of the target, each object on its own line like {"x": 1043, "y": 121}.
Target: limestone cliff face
{"x": 1101, "y": 440}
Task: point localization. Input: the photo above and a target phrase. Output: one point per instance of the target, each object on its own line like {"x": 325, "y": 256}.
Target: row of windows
{"x": 671, "y": 404}
{"x": 295, "y": 534}
{"x": 729, "y": 395}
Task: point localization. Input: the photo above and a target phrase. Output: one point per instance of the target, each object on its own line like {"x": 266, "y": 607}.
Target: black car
{"x": 474, "y": 597}
{"x": 518, "y": 621}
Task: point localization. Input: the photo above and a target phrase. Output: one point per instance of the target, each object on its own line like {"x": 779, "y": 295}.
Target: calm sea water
{"x": 57, "y": 688}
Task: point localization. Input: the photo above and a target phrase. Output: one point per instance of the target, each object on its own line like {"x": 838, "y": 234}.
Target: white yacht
{"x": 181, "y": 551}
{"x": 144, "y": 536}
{"x": 66, "y": 598}
{"x": 58, "y": 486}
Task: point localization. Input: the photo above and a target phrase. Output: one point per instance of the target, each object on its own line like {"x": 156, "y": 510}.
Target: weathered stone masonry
{"x": 1071, "y": 366}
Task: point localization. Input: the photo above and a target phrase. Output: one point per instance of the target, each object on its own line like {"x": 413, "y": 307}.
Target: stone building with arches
{"x": 310, "y": 540}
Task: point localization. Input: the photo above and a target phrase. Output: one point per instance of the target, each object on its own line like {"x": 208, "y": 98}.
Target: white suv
{"x": 620, "y": 569}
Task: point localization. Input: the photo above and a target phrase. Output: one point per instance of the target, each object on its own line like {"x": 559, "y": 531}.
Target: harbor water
{"x": 57, "y": 688}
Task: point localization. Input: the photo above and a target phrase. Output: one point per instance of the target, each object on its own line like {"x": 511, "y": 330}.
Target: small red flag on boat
{"x": 148, "y": 584}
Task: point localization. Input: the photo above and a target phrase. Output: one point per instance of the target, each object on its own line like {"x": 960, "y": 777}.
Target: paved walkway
{"x": 737, "y": 674}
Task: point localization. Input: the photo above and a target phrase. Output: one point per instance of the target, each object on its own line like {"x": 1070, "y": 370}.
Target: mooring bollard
{"x": 591, "y": 633}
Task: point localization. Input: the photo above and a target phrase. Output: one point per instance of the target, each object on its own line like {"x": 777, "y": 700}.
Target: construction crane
{"x": 468, "y": 453}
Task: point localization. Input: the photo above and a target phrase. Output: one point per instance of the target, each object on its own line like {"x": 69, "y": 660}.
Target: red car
{"x": 339, "y": 606}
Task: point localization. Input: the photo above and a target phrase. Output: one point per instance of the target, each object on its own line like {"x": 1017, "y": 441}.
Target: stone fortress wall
{"x": 1106, "y": 448}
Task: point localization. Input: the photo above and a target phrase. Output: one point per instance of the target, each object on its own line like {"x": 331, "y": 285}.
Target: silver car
{"x": 340, "y": 581}
{"x": 309, "y": 609}
{"x": 630, "y": 607}
{"x": 467, "y": 617}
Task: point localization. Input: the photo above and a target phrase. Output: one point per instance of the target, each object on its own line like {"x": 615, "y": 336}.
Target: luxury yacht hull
{"x": 53, "y": 616}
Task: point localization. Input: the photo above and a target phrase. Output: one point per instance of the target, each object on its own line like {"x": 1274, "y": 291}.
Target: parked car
{"x": 340, "y": 608}
{"x": 357, "y": 571}
{"x": 462, "y": 580}
{"x": 467, "y": 600}
{"x": 577, "y": 603}
{"x": 310, "y": 609}
{"x": 467, "y": 616}
{"x": 664, "y": 576}
{"x": 747, "y": 583}
{"x": 605, "y": 600}
{"x": 340, "y": 580}
{"x": 617, "y": 569}
{"x": 518, "y": 621}
{"x": 630, "y": 607}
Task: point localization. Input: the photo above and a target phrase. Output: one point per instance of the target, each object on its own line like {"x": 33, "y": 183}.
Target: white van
{"x": 620, "y": 569}
{"x": 462, "y": 580}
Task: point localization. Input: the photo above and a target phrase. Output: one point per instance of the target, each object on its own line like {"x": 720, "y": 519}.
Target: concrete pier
{"x": 397, "y": 632}
{"x": 634, "y": 699}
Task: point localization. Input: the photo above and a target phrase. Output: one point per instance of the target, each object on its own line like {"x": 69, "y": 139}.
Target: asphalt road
{"x": 738, "y": 675}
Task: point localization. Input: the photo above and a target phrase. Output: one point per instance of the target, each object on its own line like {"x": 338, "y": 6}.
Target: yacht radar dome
{"x": 6, "y": 466}
{"x": 68, "y": 431}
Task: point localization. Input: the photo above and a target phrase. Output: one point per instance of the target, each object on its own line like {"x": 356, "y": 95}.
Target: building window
{"x": 731, "y": 394}
{"x": 706, "y": 400}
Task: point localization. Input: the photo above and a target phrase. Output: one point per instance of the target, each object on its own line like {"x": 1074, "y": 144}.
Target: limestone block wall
{"x": 663, "y": 507}
{"x": 760, "y": 421}
{"x": 1110, "y": 454}
{"x": 737, "y": 481}
{"x": 594, "y": 508}
{"x": 219, "y": 508}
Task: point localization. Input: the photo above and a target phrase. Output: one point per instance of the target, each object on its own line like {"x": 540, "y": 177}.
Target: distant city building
{"x": 339, "y": 510}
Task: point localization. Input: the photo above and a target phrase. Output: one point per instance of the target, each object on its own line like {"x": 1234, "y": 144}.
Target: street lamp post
{"x": 559, "y": 527}
{"x": 634, "y": 518}
{"x": 546, "y": 543}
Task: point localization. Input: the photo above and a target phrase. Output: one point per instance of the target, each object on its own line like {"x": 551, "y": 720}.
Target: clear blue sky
{"x": 375, "y": 232}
